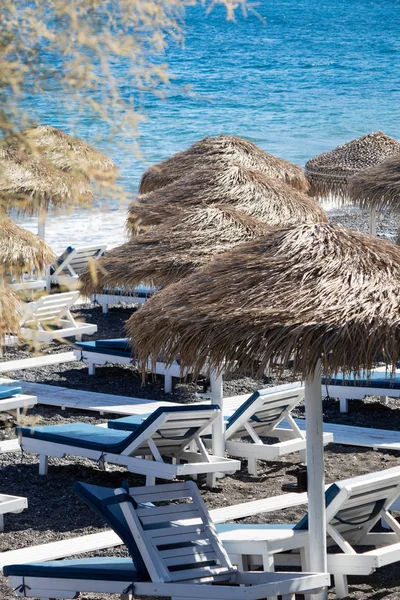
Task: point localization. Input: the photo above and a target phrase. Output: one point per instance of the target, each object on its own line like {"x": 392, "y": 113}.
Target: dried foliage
{"x": 328, "y": 173}
{"x": 378, "y": 187}
{"x": 246, "y": 190}
{"x": 210, "y": 150}
{"x": 27, "y": 184}
{"x": 307, "y": 292}
{"x": 76, "y": 48}
{"x": 21, "y": 250}
{"x": 66, "y": 152}
{"x": 172, "y": 250}
{"x": 9, "y": 315}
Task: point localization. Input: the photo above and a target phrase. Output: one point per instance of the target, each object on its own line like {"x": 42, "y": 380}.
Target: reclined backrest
{"x": 173, "y": 428}
{"x": 50, "y": 308}
{"x": 176, "y": 536}
{"x": 102, "y": 501}
{"x": 355, "y": 505}
{"x": 77, "y": 259}
{"x": 264, "y": 409}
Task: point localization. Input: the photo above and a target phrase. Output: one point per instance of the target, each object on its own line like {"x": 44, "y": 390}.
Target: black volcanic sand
{"x": 54, "y": 512}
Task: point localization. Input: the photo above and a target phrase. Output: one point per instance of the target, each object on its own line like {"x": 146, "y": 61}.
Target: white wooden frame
{"x": 113, "y": 297}
{"x": 102, "y": 358}
{"x": 67, "y": 273}
{"x": 17, "y": 402}
{"x": 344, "y": 393}
{"x": 11, "y": 504}
{"x": 53, "y": 310}
{"x": 291, "y": 439}
{"x": 196, "y": 461}
{"x": 193, "y": 583}
{"x": 262, "y": 542}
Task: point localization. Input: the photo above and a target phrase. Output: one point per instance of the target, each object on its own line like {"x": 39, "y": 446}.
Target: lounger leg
{"x": 303, "y": 456}
{"x": 344, "y": 405}
{"x": 167, "y": 383}
{"x": 1, "y": 522}
{"x": 43, "y": 464}
{"x": 104, "y": 308}
{"x": 91, "y": 368}
{"x": 384, "y": 400}
{"x": 150, "y": 480}
{"x": 211, "y": 480}
{"x": 341, "y": 585}
{"x": 252, "y": 466}
{"x": 78, "y": 337}
{"x": 289, "y": 597}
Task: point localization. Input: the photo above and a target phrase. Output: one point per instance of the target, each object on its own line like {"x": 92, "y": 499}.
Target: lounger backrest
{"x": 176, "y": 537}
{"x": 75, "y": 260}
{"x": 354, "y": 506}
{"x": 171, "y": 429}
{"x": 102, "y": 501}
{"x": 49, "y": 308}
{"x": 265, "y": 409}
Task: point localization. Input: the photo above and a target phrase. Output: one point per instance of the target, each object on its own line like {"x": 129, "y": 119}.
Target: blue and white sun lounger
{"x": 353, "y": 509}
{"x": 259, "y": 416}
{"x": 102, "y": 352}
{"x": 170, "y": 556}
{"x": 356, "y": 387}
{"x": 112, "y": 296}
{"x": 167, "y": 433}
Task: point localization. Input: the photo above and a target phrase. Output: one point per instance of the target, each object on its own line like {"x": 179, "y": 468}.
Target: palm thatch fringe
{"x": 328, "y": 173}
{"x": 268, "y": 199}
{"x": 378, "y": 187}
{"x": 9, "y": 315}
{"x": 172, "y": 250}
{"x": 66, "y": 152}
{"x": 27, "y": 183}
{"x": 21, "y": 250}
{"x": 309, "y": 292}
{"x": 228, "y": 148}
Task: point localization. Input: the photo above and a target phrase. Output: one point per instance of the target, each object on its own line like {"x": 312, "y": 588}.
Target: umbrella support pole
{"x": 42, "y": 222}
{"x": 217, "y": 397}
{"x": 317, "y": 559}
{"x": 372, "y": 222}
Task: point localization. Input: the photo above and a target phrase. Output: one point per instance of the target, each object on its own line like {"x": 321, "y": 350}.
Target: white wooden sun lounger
{"x": 169, "y": 432}
{"x": 109, "y": 297}
{"x": 11, "y": 504}
{"x": 193, "y": 559}
{"x": 109, "y": 539}
{"x": 39, "y": 318}
{"x": 353, "y": 508}
{"x": 72, "y": 263}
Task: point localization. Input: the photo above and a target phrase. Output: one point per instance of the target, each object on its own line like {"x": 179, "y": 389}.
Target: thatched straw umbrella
{"x": 173, "y": 250}
{"x": 21, "y": 250}
{"x": 67, "y": 153}
{"x": 228, "y": 148}
{"x": 377, "y": 188}
{"x": 328, "y": 173}
{"x": 317, "y": 293}
{"x": 32, "y": 186}
{"x": 249, "y": 191}
{"x": 9, "y": 316}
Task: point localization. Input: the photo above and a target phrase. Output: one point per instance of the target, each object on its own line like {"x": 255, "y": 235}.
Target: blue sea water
{"x": 311, "y": 75}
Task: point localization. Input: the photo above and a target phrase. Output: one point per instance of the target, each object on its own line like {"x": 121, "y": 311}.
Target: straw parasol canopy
{"x": 378, "y": 187}
{"x": 222, "y": 148}
{"x": 9, "y": 316}
{"x": 311, "y": 292}
{"x": 28, "y": 184}
{"x": 328, "y": 173}
{"x": 21, "y": 250}
{"x": 67, "y": 153}
{"x": 173, "y": 250}
{"x": 252, "y": 192}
